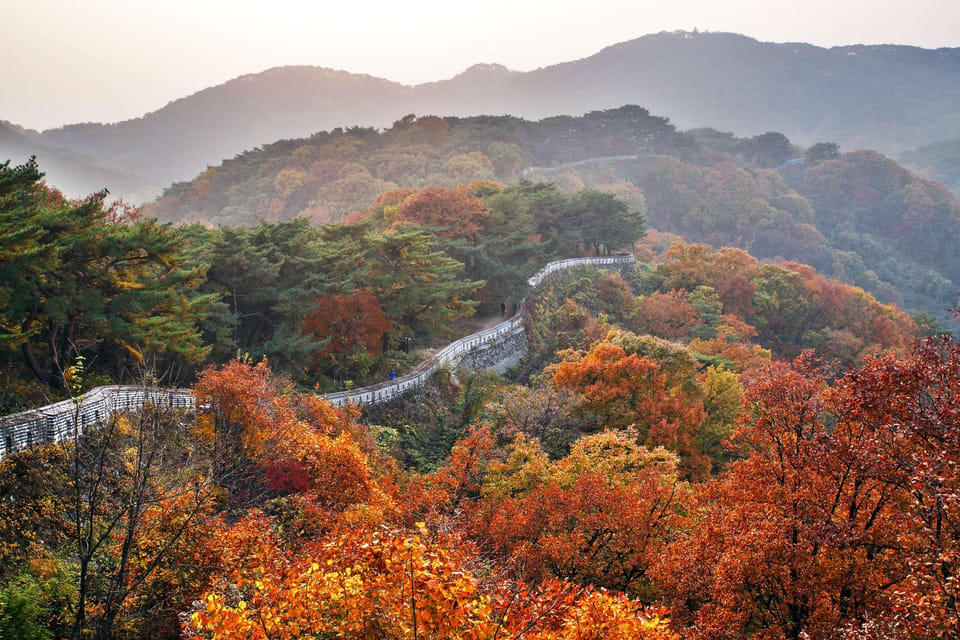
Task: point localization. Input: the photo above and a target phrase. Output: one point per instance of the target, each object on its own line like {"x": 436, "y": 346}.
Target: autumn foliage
{"x": 352, "y": 329}
{"x": 355, "y": 585}
{"x": 388, "y": 583}
{"x": 266, "y": 439}
{"x": 667, "y": 315}
{"x": 639, "y": 487}
{"x": 330, "y": 554}
{"x": 350, "y": 323}
{"x": 786, "y": 307}
{"x": 597, "y": 516}
{"x": 456, "y": 213}
{"x": 842, "y": 518}
{"x": 834, "y": 515}
{"x": 827, "y": 511}
{"x": 706, "y": 447}
{"x": 634, "y": 390}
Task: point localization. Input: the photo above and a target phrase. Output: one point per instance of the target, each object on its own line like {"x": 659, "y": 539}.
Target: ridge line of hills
{"x": 856, "y": 216}
{"x": 891, "y": 98}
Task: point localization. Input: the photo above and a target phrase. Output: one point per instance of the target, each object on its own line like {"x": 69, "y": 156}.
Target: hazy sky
{"x": 70, "y": 61}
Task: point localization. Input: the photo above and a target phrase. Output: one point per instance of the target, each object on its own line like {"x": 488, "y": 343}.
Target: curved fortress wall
{"x": 496, "y": 348}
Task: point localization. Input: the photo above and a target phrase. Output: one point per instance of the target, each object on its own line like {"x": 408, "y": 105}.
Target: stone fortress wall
{"x": 497, "y": 348}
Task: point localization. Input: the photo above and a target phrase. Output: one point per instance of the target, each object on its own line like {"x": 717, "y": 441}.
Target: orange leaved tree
{"x": 453, "y": 211}
{"x": 597, "y": 516}
{"x": 842, "y": 520}
{"x": 354, "y": 328}
{"x": 621, "y": 389}
{"x": 388, "y": 583}
{"x": 268, "y": 440}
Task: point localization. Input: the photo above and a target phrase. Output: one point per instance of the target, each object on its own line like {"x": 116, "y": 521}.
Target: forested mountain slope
{"x": 857, "y": 216}
{"x": 75, "y": 172}
{"x": 655, "y": 468}
{"x": 939, "y": 161}
{"x": 889, "y": 98}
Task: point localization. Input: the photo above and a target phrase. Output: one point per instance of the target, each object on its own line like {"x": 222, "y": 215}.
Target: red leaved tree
{"x": 355, "y": 329}
{"x": 629, "y": 390}
{"x": 453, "y": 211}
{"x": 843, "y": 520}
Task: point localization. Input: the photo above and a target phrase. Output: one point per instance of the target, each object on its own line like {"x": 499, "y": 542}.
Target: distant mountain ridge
{"x": 71, "y": 171}
{"x": 939, "y": 161}
{"x": 887, "y": 97}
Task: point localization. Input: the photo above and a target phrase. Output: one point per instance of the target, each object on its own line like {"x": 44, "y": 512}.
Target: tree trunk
{"x": 30, "y": 358}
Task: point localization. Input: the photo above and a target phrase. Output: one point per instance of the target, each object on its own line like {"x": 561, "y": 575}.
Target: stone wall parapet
{"x": 67, "y": 418}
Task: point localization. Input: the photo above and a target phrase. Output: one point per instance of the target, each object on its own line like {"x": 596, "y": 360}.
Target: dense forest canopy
{"x": 722, "y": 442}
{"x": 331, "y": 305}
{"x": 855, "y": 216}
{"x": 82, "y": 279}
{"x": 612, "y": 488}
